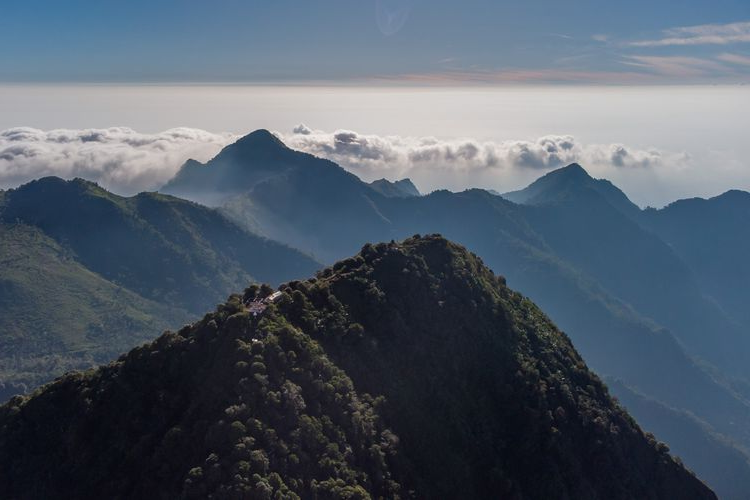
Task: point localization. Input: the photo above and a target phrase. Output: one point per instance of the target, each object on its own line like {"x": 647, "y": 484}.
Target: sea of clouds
{"x": 126, "y": 161}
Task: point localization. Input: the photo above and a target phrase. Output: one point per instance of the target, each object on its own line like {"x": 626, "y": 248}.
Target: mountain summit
{"x": 237, "y": 168}
{"x": 568, "y": 183}
{"x": 398, "y": 189}
{"x": 409, "y": 370}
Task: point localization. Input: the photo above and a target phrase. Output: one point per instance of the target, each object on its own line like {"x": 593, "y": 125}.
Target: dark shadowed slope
{"x": 587, "y": 229}
{"x": 483, "y": 398}
{"x": 723, "y": 466}
{"x": 713, "y": 237}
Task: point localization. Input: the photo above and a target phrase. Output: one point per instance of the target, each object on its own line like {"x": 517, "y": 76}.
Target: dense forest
{"x": 409, "y": 370}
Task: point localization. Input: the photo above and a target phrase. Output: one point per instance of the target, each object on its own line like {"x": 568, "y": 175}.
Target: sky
{"x": 652, "y": 95}
{"x": 396, "y": 41}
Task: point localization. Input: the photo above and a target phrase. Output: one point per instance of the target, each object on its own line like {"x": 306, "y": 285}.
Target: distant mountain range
{"x": 643, "y": 297}
{"x": 407, "y": 371}
{"x": 87, "y": 274}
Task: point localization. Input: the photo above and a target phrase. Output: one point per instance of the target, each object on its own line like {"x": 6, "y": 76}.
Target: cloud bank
{"x": 126, "y": 161}
{"x": 118, "y": 158}
{"x": 461, "y": 163}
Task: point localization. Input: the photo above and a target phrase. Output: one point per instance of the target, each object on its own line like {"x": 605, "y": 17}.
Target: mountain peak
{"x": 258, "y": 145}
{"x": 574, "y": 171}
{"x": 53, "y": 185}
{"x": 552, "y": 185}
{"x": 261, "y": 138}
{"x": 404, "y": 188}
{"x": 571, "y": 183}
{"x": 733, "y": 195}
{"x": 237, "y": 167}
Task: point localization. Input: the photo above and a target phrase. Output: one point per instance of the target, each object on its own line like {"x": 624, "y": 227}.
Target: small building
{"x": 256, "y": 307}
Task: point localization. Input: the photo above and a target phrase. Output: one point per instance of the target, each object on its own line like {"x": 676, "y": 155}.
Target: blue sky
{"x": 376, "y": 41}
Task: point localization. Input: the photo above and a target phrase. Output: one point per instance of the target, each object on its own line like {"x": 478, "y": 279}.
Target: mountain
{"x": 398, "y": 189}
{"x": 577, "y": 217}
{"x": 713, "y": 237}
{"x": 87, "y": 274}
{"x": 569, "y": 183}
{"x": 610, "y": 306}
{"x": 58, "y": 315}
{"x": 164, "y": 248}
{"x": 287, "y": 196}
{"x": 407, "y": 370}
{"x": 238, "y": 167}
{"x": 723, "y": 467}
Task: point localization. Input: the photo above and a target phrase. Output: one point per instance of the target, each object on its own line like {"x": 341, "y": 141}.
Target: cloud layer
{"x": 118, "y": 158}
{"x": 127, "y": 161}
{"x": 426, "y": 159}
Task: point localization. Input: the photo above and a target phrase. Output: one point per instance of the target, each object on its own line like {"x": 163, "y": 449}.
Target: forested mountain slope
{"x": 407, "y": 370}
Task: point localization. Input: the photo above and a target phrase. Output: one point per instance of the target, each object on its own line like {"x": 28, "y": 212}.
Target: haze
{"x": 690, "y": 138}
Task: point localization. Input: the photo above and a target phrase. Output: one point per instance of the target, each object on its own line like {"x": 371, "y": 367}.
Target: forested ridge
{"x": 409, "y": 370}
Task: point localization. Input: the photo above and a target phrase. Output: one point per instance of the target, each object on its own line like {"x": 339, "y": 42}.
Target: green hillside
{"x": 88, "y": 274}
{"x": 58, "y": 315}
{"x": 164, "y": 248}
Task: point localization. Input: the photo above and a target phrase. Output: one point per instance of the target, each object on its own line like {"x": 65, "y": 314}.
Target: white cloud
{"x": 459, "y": 163}
{"x": 704, "y": 34}
{"x": 127, "y": 161}
{"x": 302, "y": 129}
{"x": 118, "y": 158}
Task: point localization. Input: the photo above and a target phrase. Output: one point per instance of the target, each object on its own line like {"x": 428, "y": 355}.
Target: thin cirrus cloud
{"x": 676, "y": 66}
{"x": 734, "y": 59}
{"x": 126, "y": 161}
{"x": 518, "y": 76}
{"x": 704, "y": 34}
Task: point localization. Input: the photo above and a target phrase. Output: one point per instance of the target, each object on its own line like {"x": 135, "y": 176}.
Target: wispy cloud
{"x": 518, "y": 76}
{"x": 734, "y": 59}
{"x": 704, "y": 34}
{"x": 677, "y": 66}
